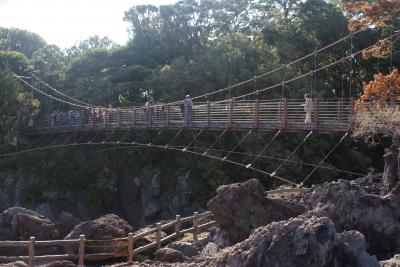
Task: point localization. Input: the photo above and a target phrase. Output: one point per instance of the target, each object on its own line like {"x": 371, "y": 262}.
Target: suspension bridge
{"x": 259, "y": 115}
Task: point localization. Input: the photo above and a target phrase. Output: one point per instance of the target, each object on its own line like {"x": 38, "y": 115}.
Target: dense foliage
{"x": 194, "y": 47}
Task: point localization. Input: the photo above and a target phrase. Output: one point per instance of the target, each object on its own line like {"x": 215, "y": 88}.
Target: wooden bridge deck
{"x": 328, "y": 116}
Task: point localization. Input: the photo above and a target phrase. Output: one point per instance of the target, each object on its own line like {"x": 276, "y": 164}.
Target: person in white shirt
{"x": 308, "y": 108}
{"x": 188, "y": 108}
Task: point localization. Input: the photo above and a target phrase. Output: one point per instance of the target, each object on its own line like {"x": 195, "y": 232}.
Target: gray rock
{"x": 66, "y": 223}
{"x": 20, "y": 224}
{"x": 351, "y": 208}
{"x": 240, "y": 208}
{"x": 187, "y": 249}
{"x": 393, "y": 262}
{"x": 210, "y": 250}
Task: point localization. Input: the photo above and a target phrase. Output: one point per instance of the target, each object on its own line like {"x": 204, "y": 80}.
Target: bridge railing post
{"x": 178, "y": 226}
{"x": 256, "y": 113}
{"x": 340, "y": 110}
{"x": 285, "y": 114}
{"x": 351, "y": 114}
{"x": 168, "y": 116}
{"x": 134, "y": 118}
{"x": 316, "y": 114}
{"x": 208, "y": 114}
{"x": 195, "y": 226}
{"x": 231, "y": 113}
{"x": 119, "y": 117}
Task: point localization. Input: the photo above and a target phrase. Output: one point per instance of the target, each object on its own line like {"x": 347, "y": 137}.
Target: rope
{"x": 215, "y": 141}
{"x": 322, "y": 160}
{"x": 194, "y": 139}
{"x": 61, "y": 93}
{"x": 291, "y": 63}
{"x": 50, "y": 96}
{"x": 173, "y": 138}
{"x": 240, "y": 142}
{"x": 306, "y": 74}
{"x": 293, "y": 152}
{"x": 265, "y": 148}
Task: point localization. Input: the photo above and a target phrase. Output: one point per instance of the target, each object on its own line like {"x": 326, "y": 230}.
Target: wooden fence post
{"x": 31, "y": 249}
{"x": 158, "y": 236}
{"x": 81, "y": 261}
{"x": 178, "y": 226}
{"x": 130, "y": 247}
{"x": 195, "y": 225}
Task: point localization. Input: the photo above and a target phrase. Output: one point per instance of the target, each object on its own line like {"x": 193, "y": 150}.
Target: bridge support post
{"x": 195, "y": 226}
{"x": 316, "y": 114}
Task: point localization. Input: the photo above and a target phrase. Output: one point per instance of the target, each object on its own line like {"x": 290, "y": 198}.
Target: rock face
{"x": 20, "y": 224}
{"x": 169, "y": 255}
{"x": 240, "y": 208}
{"x": 393, "y": 262}
{"x": 351, "y": 208}
{"x": 106, "y": 227}
{"x": 296, "y": 242}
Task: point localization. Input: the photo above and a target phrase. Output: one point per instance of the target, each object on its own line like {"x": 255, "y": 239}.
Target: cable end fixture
{"x": 272, "y": 174}
{"x": 224, "y": 158}
{"x": 248, "y": 165}
{"x": 205, "y": 153}
{"x": 184, "y": 149}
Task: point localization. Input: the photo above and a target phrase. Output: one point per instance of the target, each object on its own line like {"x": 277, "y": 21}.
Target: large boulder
{"x": 106, "y": 227}
{"x": 239, "y": 208}
{"x": 311, "y": 242}
{"x": 351, "y": 208}
{"x": 20, "y": 224}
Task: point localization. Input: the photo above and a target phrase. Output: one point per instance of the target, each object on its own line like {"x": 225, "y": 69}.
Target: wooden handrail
{"x": 126, "y": 242}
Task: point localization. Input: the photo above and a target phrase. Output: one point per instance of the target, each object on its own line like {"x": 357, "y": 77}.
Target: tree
{"x": 92, "y": 43}
{"x": 49, "y": 62}
{"x": 20, "y": 40}
{"x": 15, "y": 62}
{"x": 15, "y": 106}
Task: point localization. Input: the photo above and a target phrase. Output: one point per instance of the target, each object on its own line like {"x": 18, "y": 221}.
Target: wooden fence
{"x": 123, "y": 247}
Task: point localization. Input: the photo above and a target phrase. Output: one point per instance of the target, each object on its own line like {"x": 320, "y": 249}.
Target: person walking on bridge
{"x": 188, "y": 103}
{"x": 308, "y": 108}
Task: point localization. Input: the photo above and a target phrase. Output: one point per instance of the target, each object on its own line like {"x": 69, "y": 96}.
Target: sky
{"x": 64, "y": 22}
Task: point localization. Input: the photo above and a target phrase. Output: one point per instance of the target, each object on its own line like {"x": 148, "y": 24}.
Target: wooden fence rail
{"x": 127, "y": 243}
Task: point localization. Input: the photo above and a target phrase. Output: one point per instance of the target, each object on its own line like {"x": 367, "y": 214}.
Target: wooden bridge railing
{"x": 283, "y": 114}
{"x": 125, "y": 247}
